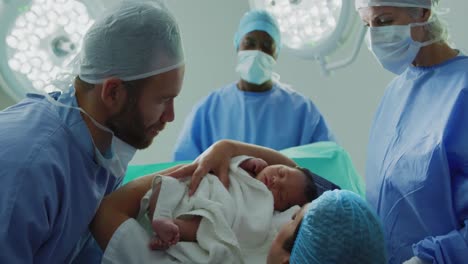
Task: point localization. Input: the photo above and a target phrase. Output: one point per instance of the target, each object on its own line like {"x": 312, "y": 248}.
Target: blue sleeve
{"x": 28, "y": 207}
{"x": 453, "y": 246}
{"x": 449, "y": 248}
{"x": 322, "y": 131}
{"x": 188, "y": 145}
{"x": 90, "y": 253}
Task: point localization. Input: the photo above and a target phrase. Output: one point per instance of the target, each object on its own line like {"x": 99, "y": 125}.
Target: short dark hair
{"x": 311, "y": 193}
{"x": 289, "y": 242}
{"x": 133, "y": 88}
{"x": 82, "y": 85}
{"x": 310, "y": 189}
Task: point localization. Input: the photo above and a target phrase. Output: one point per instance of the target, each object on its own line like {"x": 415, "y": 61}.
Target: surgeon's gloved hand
{"x": 415, "y": 260}
{"x": 214, "y": 160}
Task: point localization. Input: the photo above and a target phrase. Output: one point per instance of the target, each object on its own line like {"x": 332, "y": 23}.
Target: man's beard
{"x": 128, "y": 126}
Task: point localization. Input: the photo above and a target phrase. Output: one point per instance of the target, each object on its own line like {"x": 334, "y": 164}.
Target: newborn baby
{"x": 288, "y": 186}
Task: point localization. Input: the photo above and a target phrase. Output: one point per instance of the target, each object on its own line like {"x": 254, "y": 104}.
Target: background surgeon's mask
{"x": 120, "y": 152}
{"x": 255, "y": 66}
{"x": 394, "y": 47}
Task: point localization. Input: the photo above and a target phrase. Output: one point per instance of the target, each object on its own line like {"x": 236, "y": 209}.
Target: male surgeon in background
{"x": 257, "y": 109}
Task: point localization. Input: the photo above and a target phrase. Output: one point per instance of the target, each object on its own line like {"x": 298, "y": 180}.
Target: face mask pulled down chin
{"x": 120, "y": 153}
{"x": 394, "y": 47}
{"x": 255, "y": 66}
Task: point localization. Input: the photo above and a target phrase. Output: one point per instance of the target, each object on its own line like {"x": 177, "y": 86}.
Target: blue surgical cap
{"x": 258, "y": 20}
{"x": 339, "y": 227}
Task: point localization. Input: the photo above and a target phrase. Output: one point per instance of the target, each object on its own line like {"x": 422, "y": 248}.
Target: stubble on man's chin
{"x": 130, "y": 129}
{"x": 135, "y": 138}
{"x": 144, "y": 142}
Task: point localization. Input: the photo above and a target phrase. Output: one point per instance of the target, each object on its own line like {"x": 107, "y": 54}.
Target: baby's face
{"x": 286, "y": 184}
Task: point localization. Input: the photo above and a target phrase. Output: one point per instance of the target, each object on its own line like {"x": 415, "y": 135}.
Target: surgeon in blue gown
{"x": 417, "y": 166}
{"x": 257, "y": 109}
{"x": 61, "y": 153}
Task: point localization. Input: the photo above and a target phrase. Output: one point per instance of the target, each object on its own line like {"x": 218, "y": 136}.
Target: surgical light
{"x": 41, "y": 37}
{"x": 314, "y": 29}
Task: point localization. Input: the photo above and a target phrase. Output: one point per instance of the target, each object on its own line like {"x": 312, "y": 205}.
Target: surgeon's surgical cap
{"x": 437, "y": 27}
{"x": 134, "y": 41}
{"x": 398, "y": 3}
{"x": 258, "y": 20}
{"x": 339, "y": 227}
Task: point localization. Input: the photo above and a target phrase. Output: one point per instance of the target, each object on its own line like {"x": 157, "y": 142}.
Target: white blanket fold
{"x": 236, "y": 225}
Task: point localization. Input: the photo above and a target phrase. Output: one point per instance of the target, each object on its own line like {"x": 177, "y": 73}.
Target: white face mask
{"x": 121, "y": 152}
{"x": 394, "y": 47}
{"x": 255, "y": 66}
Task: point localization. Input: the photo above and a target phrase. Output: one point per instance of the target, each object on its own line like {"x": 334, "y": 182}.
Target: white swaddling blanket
{"x": 236, "y": 225}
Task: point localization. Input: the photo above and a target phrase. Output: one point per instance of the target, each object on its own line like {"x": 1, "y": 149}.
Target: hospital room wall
{"x": 348, "y": 98}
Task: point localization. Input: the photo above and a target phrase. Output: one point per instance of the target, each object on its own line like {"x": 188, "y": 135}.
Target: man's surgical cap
{"x": 398, "y": 3}
{"x": 258, "y": 20}
{"x": 134, "y": 41}
{"x": 339, "y": 227}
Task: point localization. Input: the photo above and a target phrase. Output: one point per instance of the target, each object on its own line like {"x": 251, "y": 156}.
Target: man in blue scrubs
{"x": 257, "y": 109}
{"x": 61, "y": 153}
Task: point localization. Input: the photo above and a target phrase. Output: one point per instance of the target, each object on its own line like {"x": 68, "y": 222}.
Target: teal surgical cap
{"x": 339, "y": 227}
{"x": 258, "y": 20}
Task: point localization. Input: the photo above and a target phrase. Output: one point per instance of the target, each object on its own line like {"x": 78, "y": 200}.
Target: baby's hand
{"x": 253, "y": 165}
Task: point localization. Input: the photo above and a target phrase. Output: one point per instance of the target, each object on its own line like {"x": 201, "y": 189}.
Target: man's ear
{"x": 426, "y": 14}
{"x": 113, "y": 94}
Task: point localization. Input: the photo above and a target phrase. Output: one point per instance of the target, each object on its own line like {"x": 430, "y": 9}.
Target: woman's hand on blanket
{"x": 214, "y": 160}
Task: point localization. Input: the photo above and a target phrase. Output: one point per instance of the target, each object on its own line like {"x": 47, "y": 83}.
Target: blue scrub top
{"x": 279, "y": 118}
{"x": 50, "y": 184}
{"x": 417, "y": 167}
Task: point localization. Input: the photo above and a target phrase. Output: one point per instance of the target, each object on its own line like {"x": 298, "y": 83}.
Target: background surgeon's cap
{"x": 398, "y": 3}
{"x": 258, "y": 20}
{"x": 134, "y": 41}
{"x": 339, "y": 227}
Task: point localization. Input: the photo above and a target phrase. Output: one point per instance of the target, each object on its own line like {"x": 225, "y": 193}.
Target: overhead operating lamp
{"x": 314, "y": 29}
{"x": 39, "y": 39}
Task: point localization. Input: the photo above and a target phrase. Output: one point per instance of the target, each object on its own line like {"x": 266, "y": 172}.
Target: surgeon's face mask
{"x": 255, "y": 66}
{"x": 120, "y": 152}
{"x": 394, "y": 47}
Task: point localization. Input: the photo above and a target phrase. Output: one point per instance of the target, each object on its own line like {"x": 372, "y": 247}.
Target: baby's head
{"x": 289, "y": 185}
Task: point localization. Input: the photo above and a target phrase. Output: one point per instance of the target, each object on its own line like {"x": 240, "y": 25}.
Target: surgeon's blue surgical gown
{"x": 279, "y": 118}
{"x": 417, "y": 169}
{"x": 50, "y": 186}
